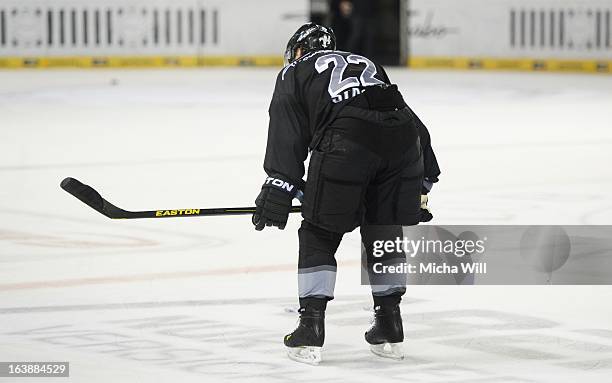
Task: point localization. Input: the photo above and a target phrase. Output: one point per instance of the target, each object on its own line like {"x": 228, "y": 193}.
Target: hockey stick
{"x": 94, "y": 200}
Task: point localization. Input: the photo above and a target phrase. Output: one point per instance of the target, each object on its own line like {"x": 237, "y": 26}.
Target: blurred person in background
{"x": 351, "y": 21}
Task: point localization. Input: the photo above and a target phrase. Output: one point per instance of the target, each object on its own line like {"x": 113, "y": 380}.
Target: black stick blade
{"x": 85, "y": 193}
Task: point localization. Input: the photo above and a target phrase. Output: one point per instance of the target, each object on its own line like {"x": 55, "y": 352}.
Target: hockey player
{"x": 371, "y": 164}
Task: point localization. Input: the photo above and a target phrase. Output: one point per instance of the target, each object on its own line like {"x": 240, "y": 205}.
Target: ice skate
{"x": 305, "y": 342}
{"x": 386, "y": 334}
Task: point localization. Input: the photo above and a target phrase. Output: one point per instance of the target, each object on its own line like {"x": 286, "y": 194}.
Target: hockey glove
{"x": 426, "y": 215}
{"x": 273, "y": 203}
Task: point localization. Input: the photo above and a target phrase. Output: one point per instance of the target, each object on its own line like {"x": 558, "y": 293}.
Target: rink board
{"x": 463, "y": 63}
{"x": 538, "y": 35}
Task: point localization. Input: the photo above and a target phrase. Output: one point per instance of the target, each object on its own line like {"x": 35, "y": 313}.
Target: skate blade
{"x": 305, "y": 354}
{"x": 388, "y": 350}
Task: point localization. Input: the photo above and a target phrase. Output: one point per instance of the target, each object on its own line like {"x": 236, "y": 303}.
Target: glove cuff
{"x": 282, "y": 185}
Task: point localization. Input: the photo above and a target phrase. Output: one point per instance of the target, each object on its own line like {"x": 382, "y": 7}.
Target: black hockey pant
{"x": 357, "y": 177}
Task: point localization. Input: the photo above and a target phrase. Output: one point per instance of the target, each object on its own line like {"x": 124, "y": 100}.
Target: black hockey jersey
{"x": 308, "y": 96}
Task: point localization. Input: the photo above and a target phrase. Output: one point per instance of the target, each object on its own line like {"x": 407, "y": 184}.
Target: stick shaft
{"x": 194, "y": 212}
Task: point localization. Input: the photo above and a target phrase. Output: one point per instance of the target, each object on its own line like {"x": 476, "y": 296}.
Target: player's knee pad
{"x": 317, "y": 246}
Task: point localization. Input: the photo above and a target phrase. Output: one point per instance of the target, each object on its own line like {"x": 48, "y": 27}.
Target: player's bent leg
{"x": 333, "y": 203}
{"x": 316, "y": 283}
{"x": 386, "y": 334}
{"x": 392, "y": 201}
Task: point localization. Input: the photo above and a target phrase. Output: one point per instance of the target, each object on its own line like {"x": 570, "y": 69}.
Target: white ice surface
{"x": 207, "y": 299}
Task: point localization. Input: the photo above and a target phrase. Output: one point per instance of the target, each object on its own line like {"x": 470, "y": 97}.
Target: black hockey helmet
{"x": 310, "y": 37}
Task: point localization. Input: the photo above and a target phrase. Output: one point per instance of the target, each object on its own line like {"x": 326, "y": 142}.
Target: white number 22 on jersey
{"x": 339, "y": 88}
